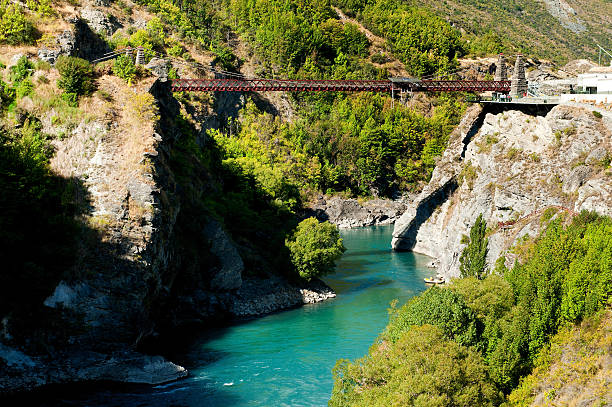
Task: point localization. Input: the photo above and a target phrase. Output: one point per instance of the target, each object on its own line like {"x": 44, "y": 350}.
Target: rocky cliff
{"x": 511, "y": 166}
{"x": 351, "y": 213}
{"x": 152, "y": 257}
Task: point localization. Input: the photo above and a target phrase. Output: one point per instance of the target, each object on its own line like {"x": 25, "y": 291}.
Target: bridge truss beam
{"x": 305, "y": 85}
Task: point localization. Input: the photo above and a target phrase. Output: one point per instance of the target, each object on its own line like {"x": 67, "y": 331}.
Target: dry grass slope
{"x": 531, "y": 26}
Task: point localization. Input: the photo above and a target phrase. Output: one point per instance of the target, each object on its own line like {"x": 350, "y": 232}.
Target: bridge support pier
{"x": 501, "y": 72}
{"x": 518, "y": 84}
{"x": 140, "y": 59}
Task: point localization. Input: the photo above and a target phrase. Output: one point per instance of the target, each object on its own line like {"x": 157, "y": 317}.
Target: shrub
{"x": 77, "y": 77}
{"x": 41, "y": 7}
{"x": 379, "y": 58}
{"x": 22, "y": 70}
{"x": 314, "y": 248}
{"x": 15, "y": 28}
{"x": 24, "y": 88}
{"x": 436, "y": 306}
{"x": 125, "y": 68}
{"x": 473, "y": 260}
{"x": 597, "y": 114}
{"x": 142, "y": 108}
{"x": 7, "y": 94}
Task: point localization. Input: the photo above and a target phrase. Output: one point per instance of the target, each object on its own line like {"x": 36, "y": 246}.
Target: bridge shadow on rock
{"x": 526, "y": 108}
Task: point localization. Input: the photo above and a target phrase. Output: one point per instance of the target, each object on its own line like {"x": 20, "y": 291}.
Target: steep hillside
{"x": 556, "y": 30}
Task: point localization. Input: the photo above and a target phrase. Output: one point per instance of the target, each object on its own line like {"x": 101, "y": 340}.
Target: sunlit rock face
{"x": 511, "y": 168}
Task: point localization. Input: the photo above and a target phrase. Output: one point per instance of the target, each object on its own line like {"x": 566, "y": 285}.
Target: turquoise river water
{"x": 285, "y": 359}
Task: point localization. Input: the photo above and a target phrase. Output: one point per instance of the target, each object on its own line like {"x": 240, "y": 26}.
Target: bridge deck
{"x": 305, "y": 85}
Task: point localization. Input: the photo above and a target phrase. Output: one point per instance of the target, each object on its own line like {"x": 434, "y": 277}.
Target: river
{"x": 285, "y": 359}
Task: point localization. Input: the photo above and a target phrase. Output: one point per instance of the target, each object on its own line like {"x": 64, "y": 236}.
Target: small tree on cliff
{"x": 314, "y": 248}
{"x": 473, "y": 260}
{"x": 76, "y": 78}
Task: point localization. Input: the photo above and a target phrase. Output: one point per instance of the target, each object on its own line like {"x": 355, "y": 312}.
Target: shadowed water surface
{"x": 285, "y": 359}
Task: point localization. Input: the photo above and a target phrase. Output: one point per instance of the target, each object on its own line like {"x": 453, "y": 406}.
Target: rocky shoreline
{"x": 353, "y": 213}
{"x": 258, "y": 297}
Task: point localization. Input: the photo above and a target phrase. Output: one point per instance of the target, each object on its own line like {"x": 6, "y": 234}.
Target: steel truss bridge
{"x": 308, "y": 85}
{"x": 233, "y": 82}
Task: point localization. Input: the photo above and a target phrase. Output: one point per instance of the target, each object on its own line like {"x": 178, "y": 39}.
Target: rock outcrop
{"x": 510, "y": 166}
{"x": 350, "y": 213}
{"x": 78, "y": 41}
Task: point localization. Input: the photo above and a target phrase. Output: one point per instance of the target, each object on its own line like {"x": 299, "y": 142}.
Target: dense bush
{"x": 359, "y": 144}
{"x": 76, "y": 77}
{"x": 438, "y": 307}
{"x": 473, "y": 260}
{"x": 125, "y": 68}
{"x": 21, "y": 70}
{"x": 15, "y": 28}
{"x": 291, "y": 35}
{"x": 424, "y": 42}
{"x": 314, "y": 248}
{"x": 422, "y": 368}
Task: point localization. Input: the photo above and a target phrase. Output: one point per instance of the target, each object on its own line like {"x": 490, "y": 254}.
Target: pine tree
{"x": 473, "y": 260}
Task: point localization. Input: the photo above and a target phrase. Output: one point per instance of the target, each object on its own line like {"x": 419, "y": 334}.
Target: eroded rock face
{"x": 79, "y": 41}
{"x": 228, "y": 275}
{"x": 159, "y": 67}
{"x": 349, "y": 213}
{"x": 99, "y": 22}
{"x": 23, "y": 372}
{"x": 515, "y": 167}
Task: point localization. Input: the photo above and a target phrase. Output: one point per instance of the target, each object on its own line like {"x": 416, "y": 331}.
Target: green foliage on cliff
{"x": 423, "y": 41}
{"x": 422, "y": 368}
{"x": 508, "y": 320}
{"x": 473, "y": 260}
{"x": 76, "y": 78}
{"x": 358, "y": 144}
{"x": 314, "y": 248}
{"x": 295, "y": 34}
{"x": 15, "y": 28}
{"x": 570, "y": 369}
{"x": 124, "y": 67}
{"x": 438, "y": 307}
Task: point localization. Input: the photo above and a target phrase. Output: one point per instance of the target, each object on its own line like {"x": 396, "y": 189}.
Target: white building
{"x": 594, "y": 87}
{"x": 597, "y": 80}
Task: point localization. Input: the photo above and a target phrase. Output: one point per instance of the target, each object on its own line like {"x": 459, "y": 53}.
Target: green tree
{"x": 76, "y": 77}
{"x": 436, "y": 306}
{"x": 314, "y": 248}
{"x": 124, "y": 68}
{"x": 15, "y": 28}
{"x": 21, "y": 70}
{"x": 473, "y": 260}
